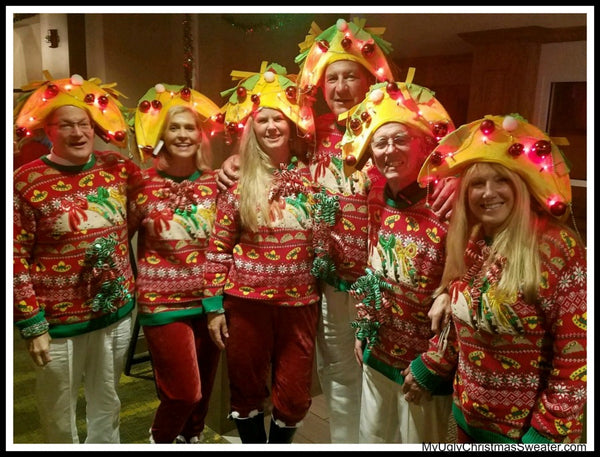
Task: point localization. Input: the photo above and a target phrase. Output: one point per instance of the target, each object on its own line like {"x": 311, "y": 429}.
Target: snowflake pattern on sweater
{"x": 72, "y": 268}
{"x": 272, "y": 264}
{"x": 175, "y": 221}
{"x": 406, "y": 258}
{"x": 521, "y": 372}
{"x": 347, "y": 249}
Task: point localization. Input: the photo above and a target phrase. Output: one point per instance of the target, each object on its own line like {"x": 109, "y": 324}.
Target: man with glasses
{"x": 73, "y": 280}
{"x": 402, "y": 124}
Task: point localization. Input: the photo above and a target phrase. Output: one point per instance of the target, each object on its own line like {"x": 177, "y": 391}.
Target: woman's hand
{"x": 440, "y": 312}
{"x": 217, "y": 328}
{"x": 229, "y": 172}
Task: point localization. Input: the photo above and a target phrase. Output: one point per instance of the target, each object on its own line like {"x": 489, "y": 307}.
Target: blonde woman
{"x": 175, "y": 213}
{"x": 261, "y": 296}
{"x": 515, "y": 275}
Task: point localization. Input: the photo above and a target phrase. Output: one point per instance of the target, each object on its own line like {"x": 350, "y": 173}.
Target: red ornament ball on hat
{"x": 120, "y": 135}
{"x": 487, "y": 126}
{"x": 392, "y": 88}
{"x": 365, "y": 116}
{"x": 232, "y": 127}
{"x": 89, "y": 98}
{"x": 156, "y": 104}
{"x": 440, "y": 129}
{"x": 255, "y": 99}
{"x": 355, "y": 124}
{"x": 51, "y": 91}
{"x": 323, "y": 45}
{"x": 558, "y": 208}
{"x": 220, "y": 118}
{"x": 241, "y": 92}
{"x": 21, "y": 132}
{"x": 290, "y": 92}
{"x": 436, "y": 158}
{"x": 145, "y": 106}
{"x": 350, "y": 161}
{"x": 346, "y": 43}
{"x": 542, "y": 148}
{"x": 368, "y": 49}
{"x": 516, "y": 149}
{"x": 186, "y": 93}
{"x": 103, "y": 101}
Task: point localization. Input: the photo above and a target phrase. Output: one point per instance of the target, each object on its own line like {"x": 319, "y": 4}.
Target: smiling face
{"x": 182, "y": 136}
{"x": 491, "y": 197}
{"x": 272, "y": 130}
{"x": 71, "y": 131}
{"x": 345, "y": 84}
{"x": 398, "y": 153}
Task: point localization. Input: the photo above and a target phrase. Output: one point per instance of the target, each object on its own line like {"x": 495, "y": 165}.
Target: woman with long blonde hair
{"x": 515, "y": 278}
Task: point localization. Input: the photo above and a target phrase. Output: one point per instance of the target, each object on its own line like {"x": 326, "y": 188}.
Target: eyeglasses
{"x": 381, "y": 144}
{"x": 68, "y": 127}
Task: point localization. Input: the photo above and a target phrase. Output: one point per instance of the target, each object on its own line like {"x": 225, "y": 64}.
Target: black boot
{"x": 278, "y": 435}
{"x": 252, "y": 429}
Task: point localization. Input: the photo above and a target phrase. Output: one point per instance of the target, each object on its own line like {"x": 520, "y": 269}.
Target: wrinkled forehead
{"x": 344, "y": 67}
{"x": 69, "y": 113}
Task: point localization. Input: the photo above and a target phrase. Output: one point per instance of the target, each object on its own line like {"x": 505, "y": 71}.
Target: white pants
{"x": 339, "y": 374}
{"x": 98, "y": 359}
{"x": 386, "y": 417}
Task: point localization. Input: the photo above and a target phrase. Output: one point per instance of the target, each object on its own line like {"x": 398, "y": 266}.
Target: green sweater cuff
{"x": 213, "y": 304}
{"x": 532, "y": 436}
{"x": 34, "y": 326}
{"x": 435, "y": 384}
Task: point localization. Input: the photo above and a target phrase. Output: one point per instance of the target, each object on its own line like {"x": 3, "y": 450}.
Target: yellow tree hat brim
{"x": 272, "y": 88}
{"x": 514, "y": 143}
{"x": 99, "y": 100}
{"x": 151, "y": 112}
{"x": 402, "y": 102}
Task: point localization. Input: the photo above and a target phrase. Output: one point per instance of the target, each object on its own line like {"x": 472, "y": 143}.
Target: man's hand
{"x": 229, "y": 172}
{"x": 413, "y": 392}
{"x": 217, "y": 328}
{"x": 358, "y": 351}
{"x": 39, "y": 349}
{"x": 444, "y": 194}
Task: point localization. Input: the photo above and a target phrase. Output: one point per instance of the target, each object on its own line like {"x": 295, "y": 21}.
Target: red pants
{"x": 266, "y": 338}
{"x": 184, "y": 360}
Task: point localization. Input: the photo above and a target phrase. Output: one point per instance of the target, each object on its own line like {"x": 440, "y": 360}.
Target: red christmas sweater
{"x": 72, "y": 270}
{"x": 347, "y": 249}
{"x": 175, "y": 218}
{"x": 406, "y": 261}
{"x": 272, "y": 264}
{"x": 521, "y": 369}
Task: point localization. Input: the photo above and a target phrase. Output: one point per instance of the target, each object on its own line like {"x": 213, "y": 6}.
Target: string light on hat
{"x": 153, "y": 107}
{"x": 402, "y": 102}
{"x": 342, "y": 41}
{"x": 101, "y": 101}
{"x": 513, "y": 142}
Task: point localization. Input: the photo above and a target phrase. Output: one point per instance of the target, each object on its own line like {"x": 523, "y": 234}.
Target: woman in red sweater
{"x": 516, "y": 279}
{"x": 175, "y": 213}
{"x": 261, "y": 296}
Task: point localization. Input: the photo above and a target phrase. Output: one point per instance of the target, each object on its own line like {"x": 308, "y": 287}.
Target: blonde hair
{"x": 204, "y": 154}
{"x": 256, "y": 176}
{"x": 516, "y": 240}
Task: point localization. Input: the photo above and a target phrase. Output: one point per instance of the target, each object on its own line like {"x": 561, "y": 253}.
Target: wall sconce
{"x": 52, "y": 38}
